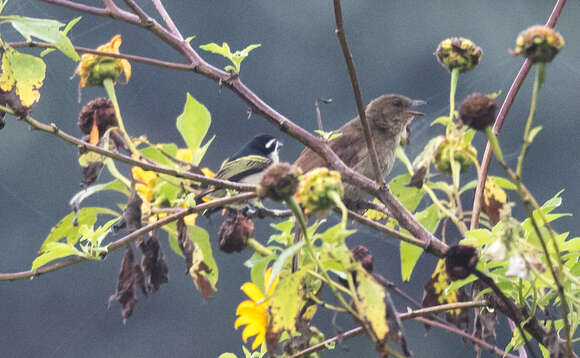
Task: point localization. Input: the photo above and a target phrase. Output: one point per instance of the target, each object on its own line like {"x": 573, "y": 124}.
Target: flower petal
{"x": 258, "y": 340}
{"x": 252, "y": 330}
{"x": 252, "y": 291}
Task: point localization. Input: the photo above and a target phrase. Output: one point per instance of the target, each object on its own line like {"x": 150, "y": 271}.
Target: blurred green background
{"x": 63, "y": 314}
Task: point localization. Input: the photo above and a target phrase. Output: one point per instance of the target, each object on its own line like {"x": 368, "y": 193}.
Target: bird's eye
{"x": 397, "y": 103}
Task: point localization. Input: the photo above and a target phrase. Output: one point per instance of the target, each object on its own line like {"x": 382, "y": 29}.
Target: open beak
{"x": 414, "y": 103}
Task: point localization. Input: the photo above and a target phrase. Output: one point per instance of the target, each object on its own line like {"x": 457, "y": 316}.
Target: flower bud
{"x": 235, "y": 232}
{"x": 462, "y": 153}
{"x": 315, "y": 188}
{"x": 478, "y": 111}
{"x": 94, "y": 69}
{"x": 539, "y": 43}
{"x": 279, "y": 182}
{"x": 458, "y": 52}
{"x": 460, "y": 261}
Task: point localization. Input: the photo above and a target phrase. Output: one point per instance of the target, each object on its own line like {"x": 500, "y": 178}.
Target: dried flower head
{"x": 94, "y": 69}
{"x": 478, "y": 111}
{"x": 279, "y": 182}
{"x": 317, "y": 188}
{"x": 460, "y": 261}
{"x": 235, "y": 232}
{"x": 96, "y": 117}
{"x": 539, "y": 43}
{"x": 458, "y": 52}
{"x": 462, "y": 152}
{"x": 363, "y": 255}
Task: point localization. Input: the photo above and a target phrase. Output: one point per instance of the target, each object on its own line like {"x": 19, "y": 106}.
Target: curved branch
{"x": 505, "y": 108}
{"x": 128, "y": 238}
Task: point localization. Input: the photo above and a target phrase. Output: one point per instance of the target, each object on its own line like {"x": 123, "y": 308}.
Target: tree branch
{"x": 128, "y": 238}
{"x": 53, "y": 129}
{"x": 147, "y": 60}
{"x": 505, "y": 108}
{"x": 379, "y": 177}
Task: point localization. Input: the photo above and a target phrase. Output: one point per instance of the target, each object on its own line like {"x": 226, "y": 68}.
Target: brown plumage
{"x": 388, "y": 115}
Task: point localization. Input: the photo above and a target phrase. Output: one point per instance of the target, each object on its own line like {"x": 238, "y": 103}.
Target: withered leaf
{"x": 418, "y": 178}
{"x": 131, "y": 218}
{"x": 152, "y": 264}
{"x": 194, "y": 260}
{"x": 434, "y": 295}
{"x": 494, "y": 197}
{"x": 130, "y": 278}
{"x": 484, "y": 320}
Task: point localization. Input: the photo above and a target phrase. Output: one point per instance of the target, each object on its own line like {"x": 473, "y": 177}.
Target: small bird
{"x": 388, "y": 116}
{"x": 248, "y": 164}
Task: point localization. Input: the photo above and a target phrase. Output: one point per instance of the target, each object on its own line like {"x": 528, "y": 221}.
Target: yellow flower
{"x": 253, "y": 313}
{"x": 93, "y": 69}
{"x": 145, "y": 182}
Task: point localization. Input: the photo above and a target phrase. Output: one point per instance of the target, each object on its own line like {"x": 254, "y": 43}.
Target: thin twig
{"x": 413, "y": 315}
{"x": 167, "y": 19}
{"x": 128, "y": 238}
{"x": 505, "y": 108}
{"x": 379, "y": 177}
{"x": 145, "y": 19}
{"x": 147, "y": 60}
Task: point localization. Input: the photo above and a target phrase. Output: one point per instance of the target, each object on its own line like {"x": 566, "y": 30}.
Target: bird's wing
{"x": 237, "y": 169}
{"x": 348, "y": 152}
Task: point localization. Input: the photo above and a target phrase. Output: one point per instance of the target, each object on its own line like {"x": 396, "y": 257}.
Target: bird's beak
{"x": 414, "y": 103}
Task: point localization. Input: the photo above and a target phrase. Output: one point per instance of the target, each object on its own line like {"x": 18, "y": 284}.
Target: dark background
{"x": 63, "y": 314}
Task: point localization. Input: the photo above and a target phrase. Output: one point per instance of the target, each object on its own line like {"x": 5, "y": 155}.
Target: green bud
{"x": 458, "y": 52}
{"x": 539, "y": 43}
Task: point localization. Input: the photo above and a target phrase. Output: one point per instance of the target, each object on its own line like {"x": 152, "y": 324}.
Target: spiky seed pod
{"x": 315, "y": 188}
{"x": 460, "y": 261}
{"x": 458, "y": 52}
{"x": 235, "y": 232}
{"x": 462, "y": 153}
{"x": 478, "y": 111}
{"x": 539, "y": 43}
{"x": 279, "y": 182}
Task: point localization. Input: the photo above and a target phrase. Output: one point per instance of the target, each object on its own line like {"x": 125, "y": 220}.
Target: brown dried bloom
{"x": 478, "y": 111}
{"x": 235, "y": 232}
{"x": 279, "y": 182}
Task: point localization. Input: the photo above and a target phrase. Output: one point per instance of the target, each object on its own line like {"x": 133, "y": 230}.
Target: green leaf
{"x": 428, "y": 152}
{"x": 534, "y": 132}
{"x": 410, "y": 197}
{"x": 193, "y": 123}
{"x": 468, "y": 136}
{"x": 258, "y": 269}
{"x": 157, "y": 154}
{"x": 223, "y": 50}
{"x": 477, "y": 237}
{"x": 410, "y": 254}
{"x": 201, "y": 238}
{"x": 66, "y": 228}
{"x": 190, "y": 38}
{"x": 279, "y": 263}
{"x": 53, "y": 251}
{"x": 45, "y": 30}
{"x": 114, "y": 185}
{"x": 24, "y": 73}
{"x": 285, "y": 303}
{"x": 165, "y": 192}
{"x": 199, "y": 153}
{"x": 227, "y": 355}
{"x": 444, "y": 120}
{"x": 336, "y": 234}
{"x": 504, "y": 183}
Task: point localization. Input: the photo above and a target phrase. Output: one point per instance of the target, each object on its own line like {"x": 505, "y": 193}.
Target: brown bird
{"x": 388, "y": 116}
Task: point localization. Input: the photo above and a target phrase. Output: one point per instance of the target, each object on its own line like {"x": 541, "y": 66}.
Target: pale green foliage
{"x": 23, "y": 74}
{"x": 235, "y": 57}
{"x": 45, "y": 30}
